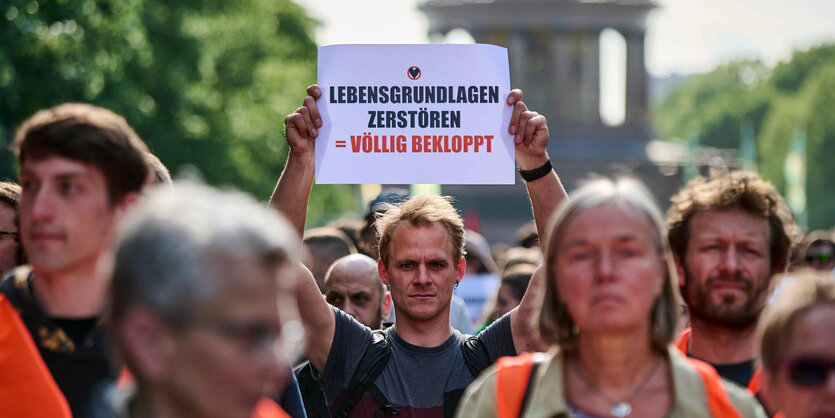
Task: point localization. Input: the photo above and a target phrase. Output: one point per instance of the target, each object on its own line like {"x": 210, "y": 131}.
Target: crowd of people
{"x": 129, "y": 295}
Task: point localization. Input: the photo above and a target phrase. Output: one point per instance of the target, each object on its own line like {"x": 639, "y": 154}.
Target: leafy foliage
{"x": 204, "y": 82}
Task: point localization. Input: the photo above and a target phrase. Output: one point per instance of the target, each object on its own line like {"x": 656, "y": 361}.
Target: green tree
{"x": 713, "y": 105}
{"x": 204, "y": 83}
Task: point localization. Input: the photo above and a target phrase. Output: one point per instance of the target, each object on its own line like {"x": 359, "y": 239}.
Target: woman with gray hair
{"x": 609, "y": 315}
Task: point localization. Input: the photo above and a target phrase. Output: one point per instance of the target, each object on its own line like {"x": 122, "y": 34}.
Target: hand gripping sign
{"x": 414, "y": 114}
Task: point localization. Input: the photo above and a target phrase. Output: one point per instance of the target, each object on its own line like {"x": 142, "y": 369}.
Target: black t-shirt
{"x": 73, "y": 349}
{"x": 739, "y": 373}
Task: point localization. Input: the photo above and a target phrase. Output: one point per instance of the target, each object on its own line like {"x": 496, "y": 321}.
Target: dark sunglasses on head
{"x": 823, "y": 258}
{"x": 808, "y": 371}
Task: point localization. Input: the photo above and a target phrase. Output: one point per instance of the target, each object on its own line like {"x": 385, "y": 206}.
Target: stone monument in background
{"x": 554, "y": 54}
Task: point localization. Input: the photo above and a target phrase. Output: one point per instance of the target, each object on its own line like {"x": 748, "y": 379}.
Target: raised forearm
{"x": 292, "y": 191}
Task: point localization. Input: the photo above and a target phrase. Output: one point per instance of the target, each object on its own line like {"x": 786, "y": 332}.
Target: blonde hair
{"x": 421, "y": 211}
{"x": 555, "y": 323}
{"x": 808, "y": 290}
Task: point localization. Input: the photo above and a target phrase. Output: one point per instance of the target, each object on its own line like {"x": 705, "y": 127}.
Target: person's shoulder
{"x": 479, "y": 399}
{"x": 688, "y": 380}
{"x": 15, "y": 284}
{"x": 744, "y": 402}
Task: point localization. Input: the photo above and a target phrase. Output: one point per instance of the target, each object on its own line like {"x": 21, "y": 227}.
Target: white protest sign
{"x": 405, "y": 114}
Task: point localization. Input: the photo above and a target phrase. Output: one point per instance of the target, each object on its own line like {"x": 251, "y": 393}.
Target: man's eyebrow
{"x": 59, "y": 176}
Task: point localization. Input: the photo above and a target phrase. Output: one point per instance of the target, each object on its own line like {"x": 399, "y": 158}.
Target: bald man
{"x": 352, "y": 284}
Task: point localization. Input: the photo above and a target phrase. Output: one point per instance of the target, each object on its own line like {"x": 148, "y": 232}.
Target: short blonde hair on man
{"x": 808, "y": 290}
{"x": 555, "y": 323}
{"x": 421, "y": 211}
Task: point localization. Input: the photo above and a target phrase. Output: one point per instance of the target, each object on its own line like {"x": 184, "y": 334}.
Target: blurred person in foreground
{"x": 729, "y": 234}
{"x": 81, "y": 168}
{"x": 421, "y": 260}
{"x": 796, "y": 342}
{"x": 609, "y": 313}
{"x": 202, "y": 306}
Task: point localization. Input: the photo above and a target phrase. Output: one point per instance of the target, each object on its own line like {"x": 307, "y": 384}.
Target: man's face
{"x": 726, "y": 271}
{"x": 66, "y": 219}
{"x": 8, "y": 243}
{"x": 308, "y": 258}
{"x": 506, "y": 300}
{"x": 421, "y": 272}
{"x": 356, "y": 294}
{"x": 228, "y": 357}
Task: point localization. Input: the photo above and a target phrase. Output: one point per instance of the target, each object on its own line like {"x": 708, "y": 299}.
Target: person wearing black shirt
{"x": 729, "y": 234}
{"x": 81, "y": 167}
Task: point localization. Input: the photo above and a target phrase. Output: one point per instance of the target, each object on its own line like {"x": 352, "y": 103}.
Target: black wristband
{"x": 536, "y": 173}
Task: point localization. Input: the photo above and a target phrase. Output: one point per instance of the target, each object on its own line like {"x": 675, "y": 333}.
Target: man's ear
{"x": 128, "y": 201}
{"x": 679, "y": 269}
{"x": 387, "y": 305}
{"x": 384, "y": 275}
{"x": 460, "y": 270}
{"x": 146, "y": 344}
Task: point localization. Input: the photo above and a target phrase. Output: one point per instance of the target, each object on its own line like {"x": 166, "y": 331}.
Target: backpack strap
{"x": 718, "y": 402}
{"x": 371, "y": 364}
{"x": 475, "y": 355}
{"x": 514, "y": 381}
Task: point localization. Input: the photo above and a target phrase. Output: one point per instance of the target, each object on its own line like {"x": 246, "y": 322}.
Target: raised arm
{"x": 530, "y": 130}
{"x": 293, "y": 188}
{"x": 290, "y": 198}
{"x": 531, "y": 138}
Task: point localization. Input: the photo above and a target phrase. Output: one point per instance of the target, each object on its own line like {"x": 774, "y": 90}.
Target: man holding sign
{"x": 426, "y": 364}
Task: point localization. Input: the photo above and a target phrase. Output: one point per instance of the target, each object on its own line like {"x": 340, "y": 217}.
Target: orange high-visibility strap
{"x": 683, "y": 340}
{"x": 125, "y": 379}
{"x": 267, "y": 408}
{"x": 27, "y": 388}
{"x": 512, "y": 375}
{"x": 754, "y": 384}
{"x": 717, "y": 399}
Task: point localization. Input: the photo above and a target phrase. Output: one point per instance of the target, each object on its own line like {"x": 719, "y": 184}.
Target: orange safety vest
{"x": 754, "y": 385}
{"x": 512, "y": 374}
{"x": 27, "y": 388}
